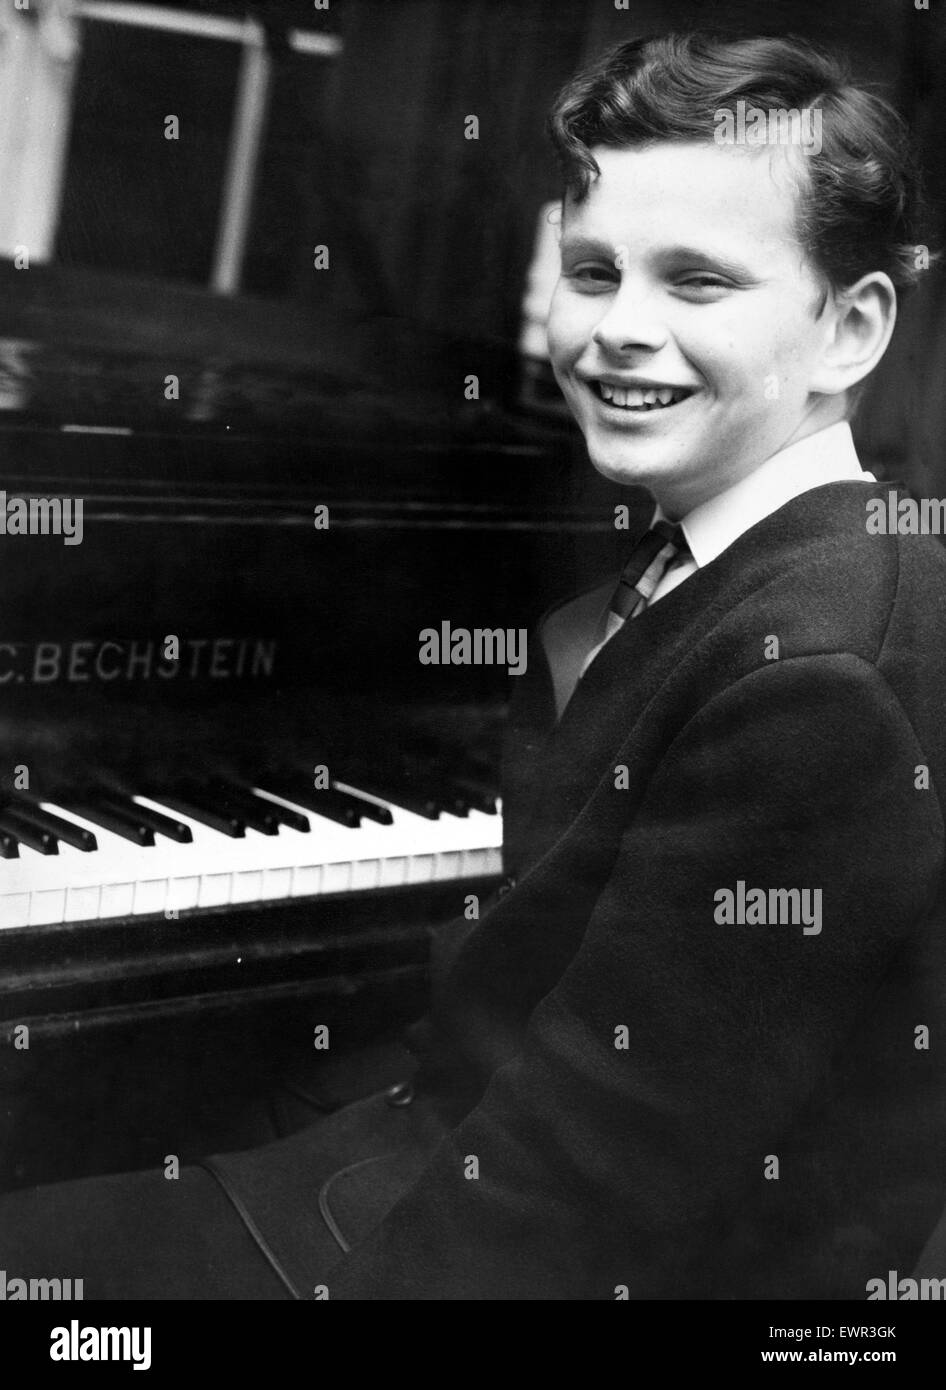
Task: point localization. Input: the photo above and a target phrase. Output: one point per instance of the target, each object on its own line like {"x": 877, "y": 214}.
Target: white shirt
{"x": 828, "y": 456}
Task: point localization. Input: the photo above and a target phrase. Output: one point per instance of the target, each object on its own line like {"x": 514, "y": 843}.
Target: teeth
{"x": 635, "y": 398}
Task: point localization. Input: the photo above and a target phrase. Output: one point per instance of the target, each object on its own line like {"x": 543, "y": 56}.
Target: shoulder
{"x": 811, "y": 600}
{"x": 827, "y": 580}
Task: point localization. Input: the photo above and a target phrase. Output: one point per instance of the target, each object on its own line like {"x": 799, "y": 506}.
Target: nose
{"x": 632, "y": 320}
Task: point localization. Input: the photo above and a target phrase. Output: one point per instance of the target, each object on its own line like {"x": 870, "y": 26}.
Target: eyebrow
{"x": 693, "y": 256}
{"x": 586, "y": 246}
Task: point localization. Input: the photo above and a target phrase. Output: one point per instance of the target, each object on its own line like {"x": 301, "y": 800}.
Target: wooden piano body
{"x": 295, "y": 532}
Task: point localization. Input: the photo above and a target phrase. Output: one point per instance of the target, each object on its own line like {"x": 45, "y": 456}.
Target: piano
{"x": 232, "y": 799}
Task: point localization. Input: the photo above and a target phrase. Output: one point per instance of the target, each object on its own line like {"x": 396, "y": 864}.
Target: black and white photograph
{"x": 473, "y": 666}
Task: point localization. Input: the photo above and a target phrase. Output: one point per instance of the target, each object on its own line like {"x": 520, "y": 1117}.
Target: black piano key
{"x": 257, "y": 815}
{"x": 393, "y": 790}
{"x": 451, "y": 795}
{"x": 154, "y": 820}
{"x": 128, "y": 824}
{"x": 423, "y": 781}
{"x": 335, "y": 806}
{"x": 42, "y": 841}
{"x": 295, "y": 820}
{"x": 481, "y": 796}
{"x": 460, "y": 761}
{"x": 420, "y": 773}
{"x": 9, "y": 849}
{"x": 367, "y": 810}
{"x": 446, "y": 799}
{"x": 75, "y": 835}
{"x": 198, "y": 809}
{"x": 471, "y": 775}
{"x": 328, "y": 802}
{"x": 485, "y": 779}
{"x": 351, "y": 809}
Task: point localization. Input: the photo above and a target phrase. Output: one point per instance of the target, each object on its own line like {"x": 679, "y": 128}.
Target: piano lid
{"x": 79, "y": 348}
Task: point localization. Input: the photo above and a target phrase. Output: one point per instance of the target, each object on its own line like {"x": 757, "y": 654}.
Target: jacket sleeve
{"x": 676, "y": 1050}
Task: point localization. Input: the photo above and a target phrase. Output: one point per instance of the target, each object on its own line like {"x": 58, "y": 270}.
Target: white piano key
{"x": 47, "y": 905}
{"x": 277, "y": 884}
{"x": 306, "y": 879}
{"x": 15, "y": 910}
{"x": 336, "y": 878}
{"x": 183, "y": 894}
{"x": 214, "y": 890}
{"x": 82, "y": 903}
{"x": 420, "y": 868}
{"x": 247, "y": 886}
{"x": 151, "y": 895}
{"x": 121, "y": 878}
{"x": 393, "y": 872}
{"x": 365, "y": 874}
{"x": 447, "y": 866}
{"x": 118, "y": 900}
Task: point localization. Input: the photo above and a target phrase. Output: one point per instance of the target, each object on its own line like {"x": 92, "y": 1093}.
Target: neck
{"x": 824, "y": 412}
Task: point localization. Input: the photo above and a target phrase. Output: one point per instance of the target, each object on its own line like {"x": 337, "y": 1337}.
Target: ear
{"x": 858, "y": 324}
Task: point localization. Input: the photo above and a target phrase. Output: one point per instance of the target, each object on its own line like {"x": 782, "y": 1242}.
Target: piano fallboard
{"x": 91, "y": 977}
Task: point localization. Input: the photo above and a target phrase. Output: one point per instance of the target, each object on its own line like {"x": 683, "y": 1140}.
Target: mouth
{"x": 640, "y": 400}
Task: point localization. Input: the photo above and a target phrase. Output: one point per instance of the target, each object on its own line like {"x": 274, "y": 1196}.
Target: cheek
{"x": 739, "y": 353}
{"x": 723, "y": 345}
{"x": 556, "y": 323}
{"x": 784, "y": 338}
{"x": 571, "y": 323}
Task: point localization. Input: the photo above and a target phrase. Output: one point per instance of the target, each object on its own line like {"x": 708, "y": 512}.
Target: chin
{"x": 628, "y": 472}
{"x": 626, "y": 477}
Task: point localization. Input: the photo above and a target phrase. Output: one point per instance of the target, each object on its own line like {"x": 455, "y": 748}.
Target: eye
{"x": 593, "y": 277}
{"x": 702, "y": 283}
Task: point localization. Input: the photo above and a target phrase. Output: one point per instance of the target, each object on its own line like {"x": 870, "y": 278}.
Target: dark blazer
{"x": 640, "y": 1066}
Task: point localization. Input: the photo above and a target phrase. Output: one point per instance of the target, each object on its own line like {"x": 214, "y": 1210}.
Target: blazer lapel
{"x": 607, "y": 703}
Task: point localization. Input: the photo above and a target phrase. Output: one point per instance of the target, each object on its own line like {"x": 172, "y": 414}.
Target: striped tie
{"x": 654, "y": 552}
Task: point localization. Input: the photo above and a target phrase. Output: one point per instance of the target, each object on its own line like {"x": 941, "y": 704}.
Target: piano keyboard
{"x": 84, "y": 860}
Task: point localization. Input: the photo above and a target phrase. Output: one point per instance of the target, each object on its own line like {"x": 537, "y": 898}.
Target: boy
{"x": 695, "y": 1050}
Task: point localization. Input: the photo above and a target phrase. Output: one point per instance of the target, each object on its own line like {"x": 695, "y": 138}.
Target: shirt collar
{"x": 828, "y": 456}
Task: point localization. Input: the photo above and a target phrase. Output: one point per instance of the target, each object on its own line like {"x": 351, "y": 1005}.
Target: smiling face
{"x": 684, "y": 329}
